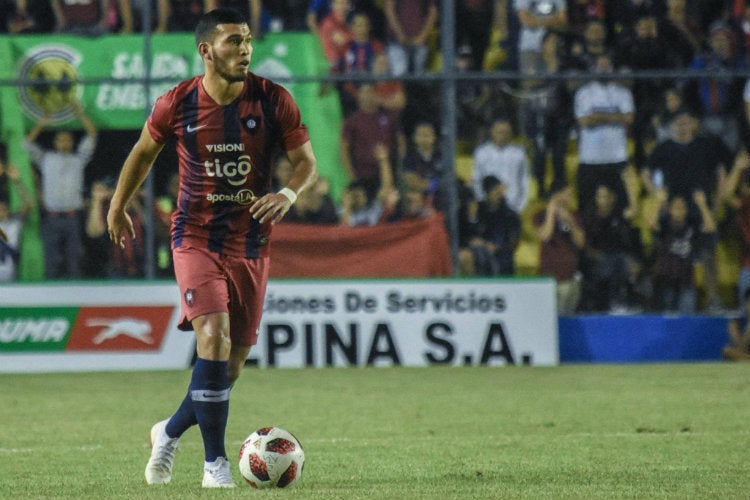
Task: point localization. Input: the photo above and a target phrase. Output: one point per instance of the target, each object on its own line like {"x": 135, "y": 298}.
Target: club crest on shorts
{"x": 189, "y": 297}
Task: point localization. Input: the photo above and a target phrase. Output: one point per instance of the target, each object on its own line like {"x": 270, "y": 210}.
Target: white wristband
{"x": 290, "y": 194}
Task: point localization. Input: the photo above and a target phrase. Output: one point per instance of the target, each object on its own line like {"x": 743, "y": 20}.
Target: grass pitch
{"x": 606, "y": 431}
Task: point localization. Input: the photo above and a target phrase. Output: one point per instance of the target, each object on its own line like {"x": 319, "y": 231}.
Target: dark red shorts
{"x": 211, "y": 283}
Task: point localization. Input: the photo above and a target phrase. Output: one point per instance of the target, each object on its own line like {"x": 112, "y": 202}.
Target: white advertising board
{"x": 91, "y": 327}
{"x": 409, "y": 323}
{"x": 84, "y": 327}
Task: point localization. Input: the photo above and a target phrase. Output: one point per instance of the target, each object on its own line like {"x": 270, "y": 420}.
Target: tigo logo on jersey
{"x": 230, "y": 169}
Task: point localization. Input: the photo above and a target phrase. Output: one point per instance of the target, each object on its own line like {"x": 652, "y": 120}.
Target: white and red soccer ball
{"x": 270, "y": 457}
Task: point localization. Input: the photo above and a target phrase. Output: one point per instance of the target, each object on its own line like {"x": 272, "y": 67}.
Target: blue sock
{"x": 183, "y": 418}
{"x": 209, "y": 390}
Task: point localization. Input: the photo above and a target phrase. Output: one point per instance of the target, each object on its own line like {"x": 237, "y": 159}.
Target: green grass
{"x": 636, "y": 431}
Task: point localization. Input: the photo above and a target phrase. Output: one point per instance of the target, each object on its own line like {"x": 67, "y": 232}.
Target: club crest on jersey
{"x": 251, "y": 124}
{"x": 189, "y": 297}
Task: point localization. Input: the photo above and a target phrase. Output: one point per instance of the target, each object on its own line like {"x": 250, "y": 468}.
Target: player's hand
{"x": 119, "y": 225}
{"x": 271, "y": 207}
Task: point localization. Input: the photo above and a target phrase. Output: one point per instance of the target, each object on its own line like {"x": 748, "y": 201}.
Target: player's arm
{"x": 134, "y": 171}
{"x": 273, "y": 206}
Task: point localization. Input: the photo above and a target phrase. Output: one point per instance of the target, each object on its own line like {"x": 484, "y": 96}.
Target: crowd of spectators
{"x": 660, "y": 174}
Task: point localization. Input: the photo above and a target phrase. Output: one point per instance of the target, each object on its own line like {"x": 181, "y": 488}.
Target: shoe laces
{"x": 165, "y": 454}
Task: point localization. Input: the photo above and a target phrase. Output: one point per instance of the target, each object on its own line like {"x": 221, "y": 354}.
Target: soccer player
{"x": 227, "y": 123}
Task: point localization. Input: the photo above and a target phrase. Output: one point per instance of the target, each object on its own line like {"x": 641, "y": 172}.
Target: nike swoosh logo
{"x": 191, "y": 128}
{"x": 211, "y": 395}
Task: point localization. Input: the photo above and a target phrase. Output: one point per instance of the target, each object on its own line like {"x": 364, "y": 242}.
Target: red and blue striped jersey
{"x": 226, "y": 155}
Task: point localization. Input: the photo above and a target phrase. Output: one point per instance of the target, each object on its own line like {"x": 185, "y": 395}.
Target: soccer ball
{"x": 271, "y": 457}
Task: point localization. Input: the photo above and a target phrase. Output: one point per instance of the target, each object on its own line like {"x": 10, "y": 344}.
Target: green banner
{"x": 36, "y": 329}
{"x": 62, "y": 68}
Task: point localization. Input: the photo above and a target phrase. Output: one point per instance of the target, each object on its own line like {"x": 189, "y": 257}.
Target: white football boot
{"x": 217, "y": 474}
{"x": 159, "y": 466}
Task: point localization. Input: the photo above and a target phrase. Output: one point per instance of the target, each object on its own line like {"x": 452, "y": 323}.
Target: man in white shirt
{"x": 62, "y": 180}
{"x": 504, "y": 160}
{"x": 604, "y": 110}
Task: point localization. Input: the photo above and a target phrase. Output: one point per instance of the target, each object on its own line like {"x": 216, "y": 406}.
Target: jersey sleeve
{"x": 293, "y": 132}
{"x": 159, "y": 122}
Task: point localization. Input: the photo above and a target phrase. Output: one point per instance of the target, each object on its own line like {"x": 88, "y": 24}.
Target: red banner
{"x": 414, "y": 248}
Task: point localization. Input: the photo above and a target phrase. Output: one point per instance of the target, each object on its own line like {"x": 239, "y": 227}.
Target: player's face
{"x": 231, "y": 51}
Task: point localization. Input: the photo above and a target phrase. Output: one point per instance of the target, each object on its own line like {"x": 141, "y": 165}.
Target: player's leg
{"x": 209, "y": 390}
{"x": 202, "y": 281}
{"x": 237, "y": 358}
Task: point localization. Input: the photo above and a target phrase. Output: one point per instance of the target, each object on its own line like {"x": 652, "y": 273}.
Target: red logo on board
{"x": 120, "y": 328}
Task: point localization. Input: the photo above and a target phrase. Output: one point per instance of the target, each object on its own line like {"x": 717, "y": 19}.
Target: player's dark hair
{"x": 210, "y": 20}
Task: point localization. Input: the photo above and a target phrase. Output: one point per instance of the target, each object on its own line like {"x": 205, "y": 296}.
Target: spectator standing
{"x": 409, "y": 24}
{"x": 360, "y": 52}
{"x": 682, "y": 32}
{"x": 474, "y": 20}
{"x": 11, "y": 224}
{"x": 81, "y": 17}
{"x": 478, "y": 103}
{"x": 560, "y": 230}
{"x": 537, "y": 17}
{"x": 548, "y": 113}
{"x": 687, "y": 163}
{"x": 422, "y": 167}
{"x": 494, "y": 234}
{"x": 645, "y": 49}
{"x": 720, "y": 96}
{"x": 610, "y": 255}
{"x": 506, "y": 161}
{"x": 335, "y": 33}
{"x": 676, "y": 242}
{"x": 363, "y": 132}
{"x": 62, "y": 175}
{"x": 604, "y": 110}
{"x": 358, "y": 58}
